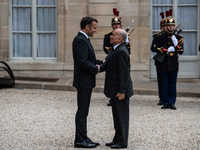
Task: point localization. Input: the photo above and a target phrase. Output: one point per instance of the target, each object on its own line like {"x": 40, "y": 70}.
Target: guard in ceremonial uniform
{"x": 170, "y": 45}
{"x": 116, "y": 22}
{"x": 163, "y": 29}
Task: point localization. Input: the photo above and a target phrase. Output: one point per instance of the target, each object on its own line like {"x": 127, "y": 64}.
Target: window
{"x": 185, "y": 11}
{"x": 33, "y": 30}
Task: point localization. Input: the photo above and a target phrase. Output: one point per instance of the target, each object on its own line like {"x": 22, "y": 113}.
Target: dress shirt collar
{"x": 84, "y": 34}
{"x": 116, "y": 46}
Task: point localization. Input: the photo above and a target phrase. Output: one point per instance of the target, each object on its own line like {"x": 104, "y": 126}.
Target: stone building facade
{"x": 69, "y": 14}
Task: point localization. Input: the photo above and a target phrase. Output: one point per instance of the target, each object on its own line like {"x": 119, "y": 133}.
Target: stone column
{"x": 4, "y": 30}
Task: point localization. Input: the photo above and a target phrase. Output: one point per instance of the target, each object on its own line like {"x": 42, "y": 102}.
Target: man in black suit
{"x": 118, "y": 86}
{"x": 116, "y": 23}
{"x": 85, "y": 68}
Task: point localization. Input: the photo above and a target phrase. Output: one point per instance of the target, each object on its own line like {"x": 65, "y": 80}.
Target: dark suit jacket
{"x": 85, "y": 62}
{"x": 117, "y": 67}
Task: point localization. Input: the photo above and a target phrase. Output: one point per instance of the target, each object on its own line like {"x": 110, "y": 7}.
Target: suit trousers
{"x": 168, "y": 80}
{"x": 83, "y": 102}
{"x": 120, "y": 110}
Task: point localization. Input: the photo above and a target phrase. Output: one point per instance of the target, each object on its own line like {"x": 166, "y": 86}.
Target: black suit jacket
{"x": 85, "y": 62}
{"x": 117, "y": 67}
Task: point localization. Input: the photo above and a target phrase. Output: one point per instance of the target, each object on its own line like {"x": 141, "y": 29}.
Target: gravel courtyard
{"x": 44, "y": 120}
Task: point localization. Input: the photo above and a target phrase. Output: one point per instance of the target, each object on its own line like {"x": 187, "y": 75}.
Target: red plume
{"x": 170, "y": 12}
{"x": 115, "y": 11}
{"x": 167, "y": 13}
{"x": 162, "y": 15}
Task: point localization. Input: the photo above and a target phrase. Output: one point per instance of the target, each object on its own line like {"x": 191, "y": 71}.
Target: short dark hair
{"x": 87, "y": 21}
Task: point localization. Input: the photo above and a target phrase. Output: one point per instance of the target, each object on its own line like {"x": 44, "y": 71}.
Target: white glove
{"x": 171, "y": 49}
{"x": 127, "y": 40}
{"x": 174, "y": 40}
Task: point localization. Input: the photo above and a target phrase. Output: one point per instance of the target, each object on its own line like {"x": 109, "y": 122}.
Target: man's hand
{"x": 99, "y": 68}
{"x": 120, "y": 96}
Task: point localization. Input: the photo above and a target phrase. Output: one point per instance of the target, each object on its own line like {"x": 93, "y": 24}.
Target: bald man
{"x": 118, "y": 87}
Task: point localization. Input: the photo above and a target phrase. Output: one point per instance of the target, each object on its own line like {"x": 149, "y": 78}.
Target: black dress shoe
{"x": 172, "y": 107}
{"x": 110, "y": 144}
{"x": 117, "y": 146}
{"x": 91, "y": 142}
{"x": 109, "y": 103}
{"x": 165, "y": 107}
{"x": 160, "y": 103}
{"x": 84, "y": 144}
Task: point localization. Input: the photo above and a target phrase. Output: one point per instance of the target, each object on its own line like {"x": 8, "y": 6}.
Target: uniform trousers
{"x": 120, "y": 111}
{"x": 159, "y": 81}
{"x": 167, "y": 81}
{"x": 83, "y": 102}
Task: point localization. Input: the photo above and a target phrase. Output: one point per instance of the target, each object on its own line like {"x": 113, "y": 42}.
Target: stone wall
{"x": 4, "y": 30}
{"x": 70, "y": 12}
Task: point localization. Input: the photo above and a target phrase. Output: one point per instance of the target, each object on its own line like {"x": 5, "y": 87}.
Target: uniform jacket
{"x": 160, "y": 44}
{"x": 106, "y": 43}
{"x": 85, "y": 62}
{"x": 117, "y": 67}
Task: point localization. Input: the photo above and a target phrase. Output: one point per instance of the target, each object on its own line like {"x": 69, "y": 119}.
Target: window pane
{"x": 46, "y": 19}
{"x": 187, "y": 2}
{"x": 157, "y": 17}
{"x": 46, "y": 2}
{"x": 46, "y": 45}
{"x": 162, "y": 1}
{"x": 21, "y": 2}
{"x": 21, "y": 19}
{"x": 190, "y": 43}
{"x": 22, "y": 45}
{"x": 188, "y": 14}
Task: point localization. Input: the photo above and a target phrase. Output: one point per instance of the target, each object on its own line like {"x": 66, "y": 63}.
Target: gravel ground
{"x": 42, "y": 119}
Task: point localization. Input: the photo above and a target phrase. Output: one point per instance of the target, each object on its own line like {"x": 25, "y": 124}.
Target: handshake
{"x": 99, "y": 68}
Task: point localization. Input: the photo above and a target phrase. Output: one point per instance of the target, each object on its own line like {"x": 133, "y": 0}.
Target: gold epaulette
{"x": 107, "y": 33}
{"x": 180, "y": 35}
{"x": 156, "y": 34}
{"x": 159, "y": 33}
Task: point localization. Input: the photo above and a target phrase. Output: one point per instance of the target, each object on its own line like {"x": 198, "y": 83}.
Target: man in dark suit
{"x": 116, "y": 23}
{"x": 118, "y": 86}
{"x": 85, "y": 69}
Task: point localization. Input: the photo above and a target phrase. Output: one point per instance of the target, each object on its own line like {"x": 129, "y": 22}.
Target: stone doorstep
{"x": 139, "y": 87}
